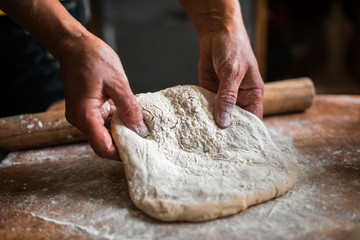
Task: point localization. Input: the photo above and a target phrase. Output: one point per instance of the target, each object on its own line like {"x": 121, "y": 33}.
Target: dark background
{"x": 158, "y": 45}
{"x": 155, "y": 40}
{"x": 319, "y": 39}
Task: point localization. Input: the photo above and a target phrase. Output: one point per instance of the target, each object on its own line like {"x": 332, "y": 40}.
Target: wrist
{"x": 69, "y": 42}
{"x": 48, "y": 21}
{"x": 212, "y": 16}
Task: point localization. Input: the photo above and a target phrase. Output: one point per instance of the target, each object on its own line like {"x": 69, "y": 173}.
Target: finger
{"x": 225, "y": 102}
{"x": 108, "y": 119}
{"x": 91, "y": 122}
{"x": 128, "y": 108}
{"x": 251, "y": 101}
{"x": 105, "y": 110}
{"x": 100, "y": 139}
{"x": 208, "y": 80}
{"x": 250, "y": 97}
{"x": 207, "y": 76}
{"x": 230, "y": 73}
{"x": 112, "y": 110}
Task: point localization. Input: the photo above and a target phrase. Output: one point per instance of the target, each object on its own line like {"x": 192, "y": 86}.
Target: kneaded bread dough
{"x": 190, "y": 169}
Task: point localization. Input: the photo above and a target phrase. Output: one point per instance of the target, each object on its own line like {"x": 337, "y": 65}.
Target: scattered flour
{"x": 29, "y": 122}
{"x": 89, "y": 197}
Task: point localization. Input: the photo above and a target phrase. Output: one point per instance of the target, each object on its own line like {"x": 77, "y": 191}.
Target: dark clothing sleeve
{"x": 30, "y": 79}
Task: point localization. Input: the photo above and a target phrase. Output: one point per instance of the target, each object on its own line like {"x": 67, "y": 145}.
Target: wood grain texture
{"x": 51, "y": 128}
{"x": 67, "y": 192}
{"x": 37, "y": 130}
{"x": 288, "y": 96}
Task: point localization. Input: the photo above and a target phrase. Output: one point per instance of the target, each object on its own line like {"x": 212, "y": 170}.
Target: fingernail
{"x": 142, "y": 129}
{"x": 224, "y": 119}
{"x": 105, "y": 110}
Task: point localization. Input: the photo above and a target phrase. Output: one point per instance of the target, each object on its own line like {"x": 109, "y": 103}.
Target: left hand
{"x": 227, "y": 63}
{"x": 228, "y": 67}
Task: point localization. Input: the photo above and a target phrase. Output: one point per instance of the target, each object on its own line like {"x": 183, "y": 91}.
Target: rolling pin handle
{"x": 51, "y": 128}
{"x": 288, "y": 96}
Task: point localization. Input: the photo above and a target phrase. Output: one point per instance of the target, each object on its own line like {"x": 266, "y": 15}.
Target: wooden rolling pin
{"x": 287, "y": 96}
{"x": 51, "y": 128}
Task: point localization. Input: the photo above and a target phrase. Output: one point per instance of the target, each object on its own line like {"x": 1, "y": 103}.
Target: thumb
{"x": 129, "y": 110}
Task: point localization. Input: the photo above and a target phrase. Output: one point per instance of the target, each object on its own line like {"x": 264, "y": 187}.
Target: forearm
{"x": 48, "y": 21}
{"x": 213, "y": 15}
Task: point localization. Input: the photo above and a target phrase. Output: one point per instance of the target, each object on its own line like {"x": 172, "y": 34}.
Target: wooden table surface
{"x": 66, "y": 192}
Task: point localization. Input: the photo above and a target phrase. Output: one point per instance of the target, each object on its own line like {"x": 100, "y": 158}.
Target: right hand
{"x": 92, "y": 73}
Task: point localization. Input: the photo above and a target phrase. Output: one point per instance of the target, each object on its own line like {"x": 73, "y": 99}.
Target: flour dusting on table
{"x": 82, "y": 196}
{"x": 100, "y": 207}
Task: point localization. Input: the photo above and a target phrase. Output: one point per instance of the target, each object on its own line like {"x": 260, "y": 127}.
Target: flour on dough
{"x": 190, "y": 169}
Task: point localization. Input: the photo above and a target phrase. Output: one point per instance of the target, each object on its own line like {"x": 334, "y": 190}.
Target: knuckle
{"x": 228, "y": 97}
{"x": 117, "y": 85}
{"x": 229, "y": 70}
{"x": 252, "y": 95}
{"x": 259, "y": 83}
{"x": 257, "y": 94}
{"x": 232, "y": 69}
{"x": 130, "y": 112}
{"x": 253, "y": 62}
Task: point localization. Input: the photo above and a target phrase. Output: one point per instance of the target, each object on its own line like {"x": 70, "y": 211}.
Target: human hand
{"x": 228, "y": 67}
{"x": 92, "y": 73}
{"x": 227, "y": 63}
